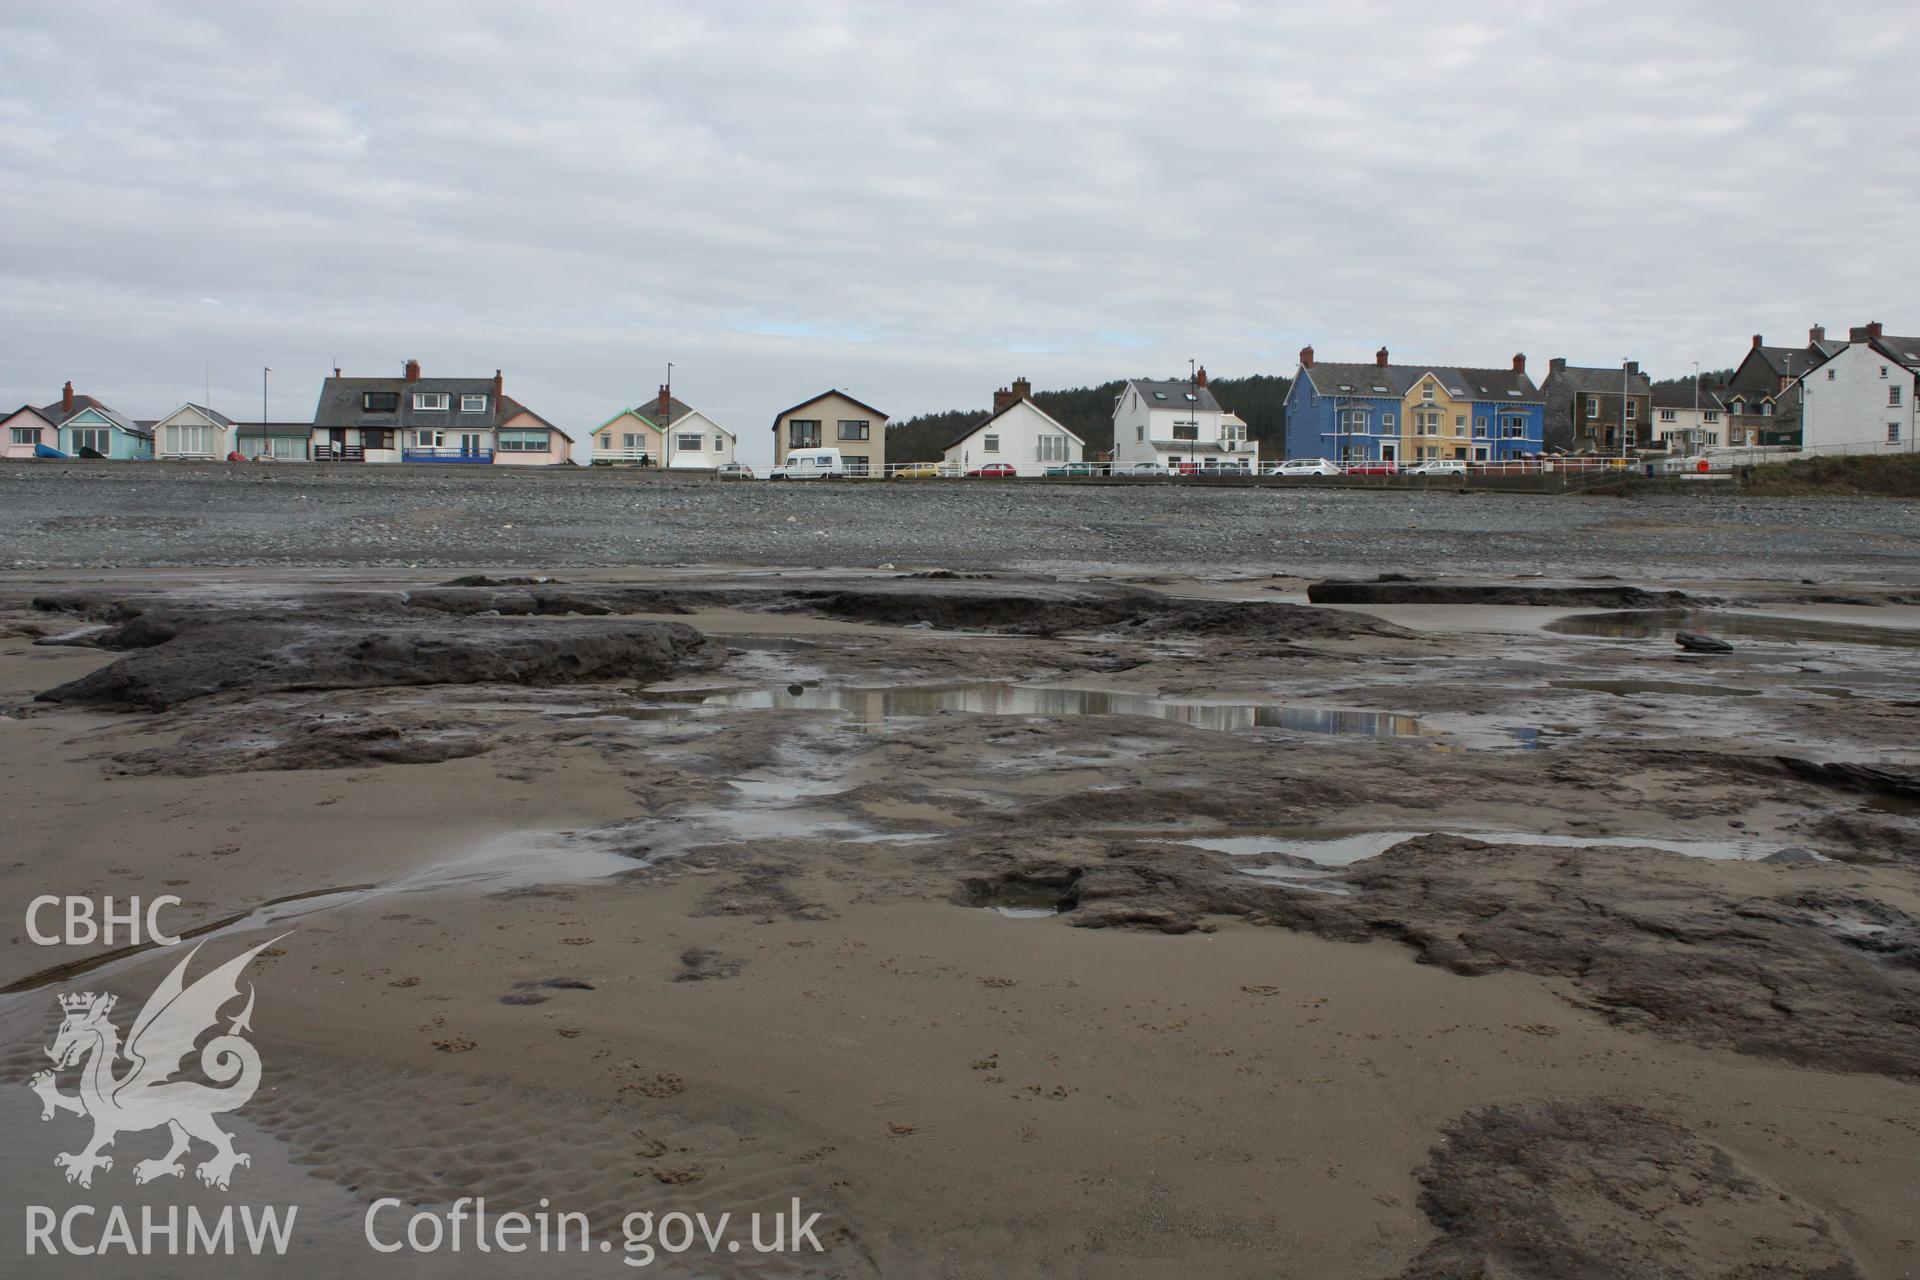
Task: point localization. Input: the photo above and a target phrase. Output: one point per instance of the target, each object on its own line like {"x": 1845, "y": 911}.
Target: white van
{"x": 810, "y": 464}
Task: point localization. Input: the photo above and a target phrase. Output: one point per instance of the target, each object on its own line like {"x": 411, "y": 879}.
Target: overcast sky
{"x": 917, "y": 202}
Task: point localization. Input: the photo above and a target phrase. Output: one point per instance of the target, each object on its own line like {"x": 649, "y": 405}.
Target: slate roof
{"x": 511, "y": 409}
{"x": 1173, "y": 395}
{"x": 676, "y": 408}
{"x": 274, "y": 428}
{"x": 56, "y": 413}
{"x": 340, "y": 403}
{"x": 1396, "y": 380}
{"x": 831, "y": 391}
{"x": 1790, "y": 362}
{"x": 991, "y": 418}
{"x": 1904, "y": 350}
{"x": 1681, "y": 397}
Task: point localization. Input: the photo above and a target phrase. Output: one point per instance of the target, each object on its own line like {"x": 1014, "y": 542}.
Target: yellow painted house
{"x": 1436, "y": 419}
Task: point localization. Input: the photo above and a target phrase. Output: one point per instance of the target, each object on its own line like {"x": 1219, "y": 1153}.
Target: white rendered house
{"x": 1019, "y": 433}
{"x": 1175, "y": 424}
{"x": 1862, "y": 399}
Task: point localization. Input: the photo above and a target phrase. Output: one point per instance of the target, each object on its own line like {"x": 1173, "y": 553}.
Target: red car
{"x": 994, "y": 469}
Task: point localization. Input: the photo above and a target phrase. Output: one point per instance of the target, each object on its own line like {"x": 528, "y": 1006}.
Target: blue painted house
{"x": 1405, "y": 413}
{"x": 87, "y": 424}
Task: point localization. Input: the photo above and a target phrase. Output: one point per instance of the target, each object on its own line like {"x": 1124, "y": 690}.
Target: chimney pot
{"x": 1200, "y": 378}
{"x": 1306, "y": 357}
{"x": 413, "y": 371}
{"x": 66, "y": 397}
{"x": 1380, "y": 357}
{"x": 336, "y": 371}
{"x": 1001, "y": 399}
{"x": 1022, "y": 389}
{"x": 1520, "y": 362}
{"x": 1873, "y": 329}
{"x": 1757, "y": 340}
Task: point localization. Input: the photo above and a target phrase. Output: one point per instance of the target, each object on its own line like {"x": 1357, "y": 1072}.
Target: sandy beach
{"x": 1109, "y": 925}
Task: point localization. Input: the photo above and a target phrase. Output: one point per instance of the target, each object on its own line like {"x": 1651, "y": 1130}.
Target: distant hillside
{"x": 1710, "y": 379}
{"x": 1088, "y": 412}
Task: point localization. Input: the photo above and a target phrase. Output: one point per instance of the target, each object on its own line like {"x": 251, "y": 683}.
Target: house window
{"x": 279, "y": 448}
{"x": 1713, "y": 437}
{"x": 990, "y": 444}
{"x": 1139, "y": 433}
{"x": 1893, "y": 397}
{"x": 1386, "y": 421}
{"x": 687, "y": 443}
{"x": 1053, "y": 448}
{"x": 380, "y": 401}
{"x": 1883, "y": 371}
{"x": 1426, "y": 393}
{"x": 1593, "y": 406}
{"x": 850, "y": 430}
{"x": 1711, "y": 416}
{"x": 192, "y": 440}
{"x": 473, "y": 404}
{"x": 98, "y": 439}
{"x": 1355, "y": 421}
{"x": 376, "y": 439}
{"x": 803, "y": 433}
{"x": 1667, "y": 415}
{"x": 26, "y": 435}
{"x": 1427, "y": 422}
{"x": 719, "y": 444}
{"x": 1186, "y": 431}
{"x": 1479, "y": 426}
{"x": 633, "y": 442}
{"x": 1459, "y": 424}
{"x": 1829, "y": 375}
{"x": 524, "y": 441}
{"x": 1633, "y": 407}
{"x": 430, "y": 400}
{"x": 606, "y": 440}
{"x": 429, "y": 439}
{"x": 1893, "y": 433}
{"x": 856, "y": 464}
{"x": 1766, "y": 408}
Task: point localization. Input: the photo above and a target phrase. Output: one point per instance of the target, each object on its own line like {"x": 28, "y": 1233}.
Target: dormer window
{"x": 380, "y": 401}
{"x": 430, "y": 400}
{"x": 1426, "y": 392}
{"x": 473, "y": 404}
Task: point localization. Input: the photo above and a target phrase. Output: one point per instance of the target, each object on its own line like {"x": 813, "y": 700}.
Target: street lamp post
{"x": 265, "y": 417}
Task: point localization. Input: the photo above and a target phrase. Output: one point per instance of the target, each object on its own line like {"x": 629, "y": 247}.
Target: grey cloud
{"x": 917, "y": 202}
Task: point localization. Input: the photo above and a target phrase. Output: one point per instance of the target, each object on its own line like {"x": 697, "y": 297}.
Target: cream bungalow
{"x": 1019, "y": 433}
{"x": 690, "y": 440}
{"x": 834, "y": 420}
{"x": 194, "y": 431}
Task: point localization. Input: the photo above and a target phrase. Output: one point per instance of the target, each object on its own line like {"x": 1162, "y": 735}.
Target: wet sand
{"x": 736, "y": 936}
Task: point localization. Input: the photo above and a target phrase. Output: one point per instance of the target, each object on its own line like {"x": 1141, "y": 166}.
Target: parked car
{"x": 918, "y": 471}
{"x": 810, "y": 464}
{"x": 994, "y": 469}
{"x": 734, "y": 471}
{"x": 1214, "y": 467}
{"x": 1304, "y": 467}
{"x": 1438, "y": 467}
{"x": 1140, "y": 469}
{"x": 1074, "y": 469}
{"x": 1371, "y": 467}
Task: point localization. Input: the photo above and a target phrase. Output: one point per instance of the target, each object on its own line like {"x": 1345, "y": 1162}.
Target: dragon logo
{"x": 146, "y": 1095}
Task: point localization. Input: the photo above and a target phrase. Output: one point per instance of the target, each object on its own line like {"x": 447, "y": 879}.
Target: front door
{"x": 1389, "y": 452}
{"x": 469, "y": 444}
{"x": 1479, "y": 453}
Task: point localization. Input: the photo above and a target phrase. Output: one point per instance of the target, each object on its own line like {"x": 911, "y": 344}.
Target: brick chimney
{"x": 336, "y": 371}
{"x": 1380, "y": 357}
{"x": 1633, "y": 368}
{"x": 1003, "y": 398}
{"x": 1873, "y": 329}
{"x": 1306, "y": 357}
{"x": 1200, "y": 378}
{"x": 1816, "y": 335}
{"x": 66, "y": 397}
{"x": 413, "y": 370}
{"x": 1757, "y": 340}
{"x": 1022, "y": 389}
{"x": 663, "y": 409}
{"x": 499, "y": 384}
{"x": 1520, "y": 362}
